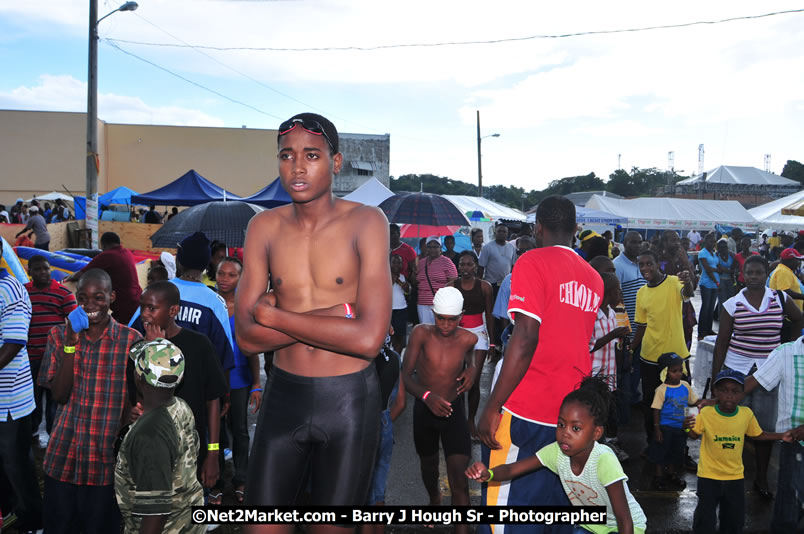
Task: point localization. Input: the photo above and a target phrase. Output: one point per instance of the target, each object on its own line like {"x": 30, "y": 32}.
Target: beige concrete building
{"x": 43, "y": 151}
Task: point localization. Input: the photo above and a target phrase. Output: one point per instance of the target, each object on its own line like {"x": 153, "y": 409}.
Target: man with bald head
{"x": 631, "y": 280}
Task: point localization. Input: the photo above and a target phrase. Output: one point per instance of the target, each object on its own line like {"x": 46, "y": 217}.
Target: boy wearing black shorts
{"x": 439, "y": 366}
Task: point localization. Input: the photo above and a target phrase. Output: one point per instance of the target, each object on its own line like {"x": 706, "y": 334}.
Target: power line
{"x": 463, "y": 43}
{"x": 258, "y": 82}
{"x": 200, "y": 86}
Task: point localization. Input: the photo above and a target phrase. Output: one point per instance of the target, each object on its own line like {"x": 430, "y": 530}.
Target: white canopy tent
{"x": 676, "y": 213}
{"x": 769, "y": 216}
{"x": 731, "y": 175}
{"x": 492, "y": 210}
{"x": 371, "y": 193}
{"x": 54, "y": 195}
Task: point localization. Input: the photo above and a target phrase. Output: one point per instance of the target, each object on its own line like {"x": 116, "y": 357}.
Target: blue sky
{"x": 562, "y": 107}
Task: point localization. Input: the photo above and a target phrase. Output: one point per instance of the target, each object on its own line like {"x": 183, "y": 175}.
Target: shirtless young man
{"x": 326, "y": 319}
{"x": 442, "y": 358}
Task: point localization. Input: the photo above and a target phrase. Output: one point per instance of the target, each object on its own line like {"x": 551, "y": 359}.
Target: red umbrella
{"x": 425, "y": 230}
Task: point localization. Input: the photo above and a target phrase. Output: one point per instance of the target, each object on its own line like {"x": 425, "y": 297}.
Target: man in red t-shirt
{"x": 121, "y": 267}
{"x": 555, "y": 296}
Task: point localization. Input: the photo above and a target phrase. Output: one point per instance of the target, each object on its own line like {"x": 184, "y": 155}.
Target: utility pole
{"x": 479, "y": 162}
{"x": 92, "y": 159}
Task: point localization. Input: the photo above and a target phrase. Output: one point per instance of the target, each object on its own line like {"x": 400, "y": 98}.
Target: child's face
{"x": 674, "y": 373}
{"x": 728, "y": 393}
{"x": 576, "y": 430}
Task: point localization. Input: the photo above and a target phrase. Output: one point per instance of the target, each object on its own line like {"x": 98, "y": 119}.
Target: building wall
{"x": 146, "y": 157}
{"x": 43, "y": 151}
{"x": 374, "y": 149}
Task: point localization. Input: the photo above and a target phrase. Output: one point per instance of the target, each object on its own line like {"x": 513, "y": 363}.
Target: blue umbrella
{"x": 422, "y": 208}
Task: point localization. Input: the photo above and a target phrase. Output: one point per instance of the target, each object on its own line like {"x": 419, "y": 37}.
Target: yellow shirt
{"x": 722, "y": 440}
{"x": 659, "y": 308}
{"x": 783, "y": 278}
{"x": 774, "y": 242}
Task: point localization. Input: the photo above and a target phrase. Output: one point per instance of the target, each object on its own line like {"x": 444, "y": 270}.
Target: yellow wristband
{"x": 213, "y": 446}
{"x": 69, "y": 349}
{"x": 491, "y": 475}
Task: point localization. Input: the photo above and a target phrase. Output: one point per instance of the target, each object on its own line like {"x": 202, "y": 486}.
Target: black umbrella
{"x": 422, "y": 208}
{"x": 224, "y": 221}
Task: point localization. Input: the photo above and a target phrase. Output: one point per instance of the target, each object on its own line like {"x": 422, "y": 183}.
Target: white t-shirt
{"x": 785, "y": 368}
{"x": 694, "y": 237}
{"x": 602, "y": 469}
{"x": 398, "y": 301}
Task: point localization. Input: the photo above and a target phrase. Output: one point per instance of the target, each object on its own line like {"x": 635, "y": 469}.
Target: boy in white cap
{"x": 439, "y": 366}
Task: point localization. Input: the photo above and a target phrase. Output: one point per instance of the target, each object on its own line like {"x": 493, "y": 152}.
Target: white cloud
{"x": 65, "y": 93}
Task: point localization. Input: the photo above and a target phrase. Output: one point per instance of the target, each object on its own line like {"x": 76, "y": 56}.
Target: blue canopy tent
{"x": 270, "y": 196}
{"x": 190, "y": 189}
{"x": 120, "y": 195}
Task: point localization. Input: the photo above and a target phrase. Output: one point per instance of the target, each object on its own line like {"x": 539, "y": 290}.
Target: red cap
{"x": 791, "y": 254}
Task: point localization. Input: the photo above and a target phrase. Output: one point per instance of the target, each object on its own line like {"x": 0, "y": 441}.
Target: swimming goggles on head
{"x": 308, "y": 125}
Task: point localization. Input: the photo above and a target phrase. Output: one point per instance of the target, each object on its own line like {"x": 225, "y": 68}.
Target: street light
{"x": 479, "y": 158}
{"x": 93, "y": 163}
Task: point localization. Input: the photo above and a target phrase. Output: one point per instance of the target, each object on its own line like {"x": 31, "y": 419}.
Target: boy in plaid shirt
{"x": 84, "y": 367}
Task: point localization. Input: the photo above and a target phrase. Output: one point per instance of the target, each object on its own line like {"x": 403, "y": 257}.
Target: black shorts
{"x": 453, "y": 430}
{"x": 399, "y": 320}
{"x": 325, "y": 429}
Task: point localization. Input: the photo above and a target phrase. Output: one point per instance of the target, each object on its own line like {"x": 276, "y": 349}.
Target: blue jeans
{"x": 383, "y": 464}
{"x": 706, "y": 315}
{"x": 787, "y": 506}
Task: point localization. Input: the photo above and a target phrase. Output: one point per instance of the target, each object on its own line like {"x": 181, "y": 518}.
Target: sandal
{"x": 659, "y": 484}
{"x": 240, "y": 494}
{"x": 215, "y": 498}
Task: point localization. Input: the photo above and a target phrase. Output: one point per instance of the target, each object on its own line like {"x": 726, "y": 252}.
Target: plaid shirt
{"x": 81, "y": 447}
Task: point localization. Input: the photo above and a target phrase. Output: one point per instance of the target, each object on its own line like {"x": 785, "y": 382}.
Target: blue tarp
{"x": 270, "y": 196}
{"x": 190, "y": 189}
{"x": 120, "y": 195}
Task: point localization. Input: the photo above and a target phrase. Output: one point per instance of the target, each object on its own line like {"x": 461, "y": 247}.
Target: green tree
{"x": 794, "y": 171}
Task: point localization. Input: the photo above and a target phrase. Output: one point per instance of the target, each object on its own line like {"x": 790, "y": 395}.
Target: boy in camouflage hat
{"x": 153, "y": 495}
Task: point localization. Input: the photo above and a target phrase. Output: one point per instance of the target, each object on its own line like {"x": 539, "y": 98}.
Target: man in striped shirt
{"x": 51, "y": 304}
{"x": 631, "y": 280}
{"x": 16, "y": 400}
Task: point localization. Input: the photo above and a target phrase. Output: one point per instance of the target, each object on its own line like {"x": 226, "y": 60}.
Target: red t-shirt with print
{"x": 556, "y": 287}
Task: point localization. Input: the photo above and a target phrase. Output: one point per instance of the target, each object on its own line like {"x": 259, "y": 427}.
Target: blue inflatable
{"x": 61, "y": 265}
{"x": 12, "y": 263}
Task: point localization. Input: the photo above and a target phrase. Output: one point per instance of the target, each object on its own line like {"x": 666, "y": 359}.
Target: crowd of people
{"x": 142, "y": 390}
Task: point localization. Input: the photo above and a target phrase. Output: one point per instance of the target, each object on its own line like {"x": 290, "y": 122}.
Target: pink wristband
{"x": 348, "y": 309}
{"x": 426, "y": 394}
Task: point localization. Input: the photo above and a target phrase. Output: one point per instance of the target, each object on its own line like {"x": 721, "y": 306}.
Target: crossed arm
{"x": 262, "y": 327}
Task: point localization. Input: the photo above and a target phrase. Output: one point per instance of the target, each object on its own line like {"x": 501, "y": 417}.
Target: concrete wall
{"x": 144, "y": 157}
{"x": 41, "y": 151}
{"x": 374, "y": 149}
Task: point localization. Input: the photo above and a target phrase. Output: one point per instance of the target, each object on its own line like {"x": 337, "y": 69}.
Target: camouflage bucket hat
{"x": 159, "y": 362}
